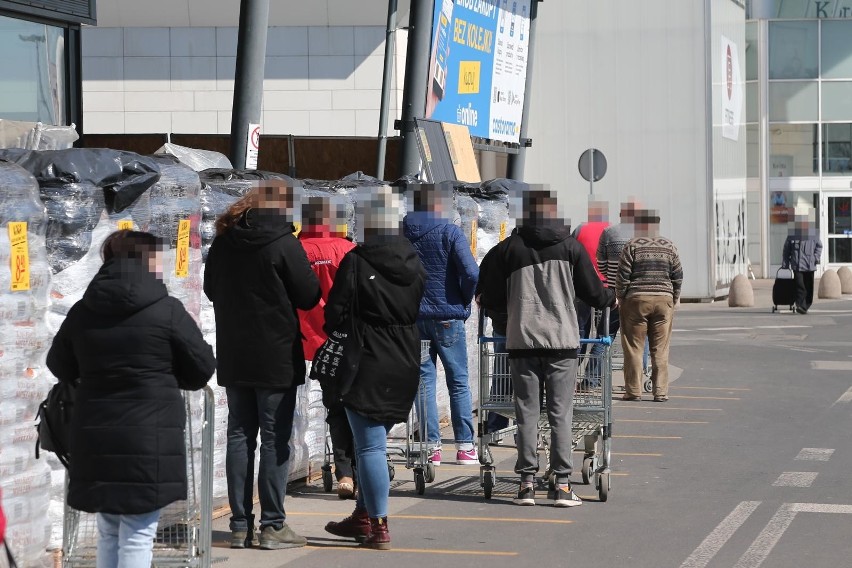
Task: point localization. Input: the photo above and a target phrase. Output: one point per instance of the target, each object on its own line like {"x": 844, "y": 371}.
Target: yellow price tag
{"x": 182, "y": 258}
{"x": 473, "y": 227}
{"x": 20, "y": 258}
{"x": 298, "y": 226}
{"x": 125, "y": 225}
{"x": 469, "y": 72}
{"x": 343, "y": 229}
{"x": 503, "y": 230}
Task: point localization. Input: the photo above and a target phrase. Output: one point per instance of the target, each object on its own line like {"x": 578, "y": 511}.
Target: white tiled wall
{"x": 319, "y": 81}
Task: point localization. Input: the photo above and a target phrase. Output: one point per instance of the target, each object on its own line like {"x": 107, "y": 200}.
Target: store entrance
{"x": 838, "y": 229}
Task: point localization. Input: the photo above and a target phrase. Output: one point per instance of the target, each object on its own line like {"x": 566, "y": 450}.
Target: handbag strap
{"x": 9, "y": 557}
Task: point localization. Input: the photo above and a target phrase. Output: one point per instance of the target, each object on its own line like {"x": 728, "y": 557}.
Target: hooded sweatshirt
{"x": 133, "y": 348}
{"x": 257, "y": 275}
{"x": 390, "y": 280}
{"x": 534, "y": 276}
{"x": 451, "y": 270}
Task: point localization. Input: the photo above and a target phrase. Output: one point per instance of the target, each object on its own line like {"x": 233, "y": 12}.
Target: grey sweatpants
{"x": 559, "y": 375}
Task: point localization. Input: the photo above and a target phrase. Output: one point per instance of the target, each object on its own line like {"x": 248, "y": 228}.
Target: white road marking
{"x": 815, "y": 454}
{"x": 821, "y": 508}
{"x": 796, "y": 479}
{"x": 714, "y": 542}
{"x": 723, "y": 328}
{"x": 768, "y": 538}
{"x": 831, "y": 365}
{"x": 781, "y": 326}
{"x": 845, "y": 397}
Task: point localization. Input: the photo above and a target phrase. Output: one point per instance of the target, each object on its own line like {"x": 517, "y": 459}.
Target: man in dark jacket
{"x": 257, "y": 276}
{"x": 535, "y": 276}
{"x": 450, "y": 283}
{"x": 802, "y": 253}
{"x": 132, "y": 347}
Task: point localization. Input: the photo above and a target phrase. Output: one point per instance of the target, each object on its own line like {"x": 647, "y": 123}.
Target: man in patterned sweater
{"x": 647, "y": 285}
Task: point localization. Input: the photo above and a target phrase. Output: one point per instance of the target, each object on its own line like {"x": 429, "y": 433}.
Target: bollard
{"x": 845, "y": 274}
{"x": 829, "y": 285}
{"x": 740, "y": 294}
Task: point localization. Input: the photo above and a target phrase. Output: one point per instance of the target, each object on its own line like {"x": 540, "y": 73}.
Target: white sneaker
{"x": 564, "y": 496}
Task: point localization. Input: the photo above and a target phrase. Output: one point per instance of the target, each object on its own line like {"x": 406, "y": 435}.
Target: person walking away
{"x": 389, "y": 278}
{"x": 325, "y": 245}
{"x": 451, "y": 279}
{"x": 648, "y": 285}
{"x": 257, "y": 276}
{"x": 130, "y": 348}
{"x": 802, "y": 253}
{"x": 589, "y": 235}
{"x": 535, "y": 276}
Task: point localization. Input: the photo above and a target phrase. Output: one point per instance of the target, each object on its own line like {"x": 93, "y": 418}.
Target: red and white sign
{"x": 732, "y": 93}
{"x": 252, "y": 146}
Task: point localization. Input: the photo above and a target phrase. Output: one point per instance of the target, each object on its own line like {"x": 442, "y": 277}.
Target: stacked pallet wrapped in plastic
{"x": 24, "y": 339}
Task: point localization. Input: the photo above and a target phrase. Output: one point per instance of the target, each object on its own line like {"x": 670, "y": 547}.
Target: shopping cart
{"x": 412, "y": 450}
{"x": 618, "y": 354}
{"x": 591, "y": 423}
{"x": 184, "y": 536}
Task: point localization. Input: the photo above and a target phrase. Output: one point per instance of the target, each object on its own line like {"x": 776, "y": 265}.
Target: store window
{"x": 839, "y": 229}
{"x": 837, "y": 49}
{"x": 33, "y": 87}
{"x": 793, "y": 101}
{"x": 793, "y": 50}
{"x": 837, "y": 100}
{"x": 752, "y": 46}
{"x": 837, "y": 149}
{"x": 793, "y": 150}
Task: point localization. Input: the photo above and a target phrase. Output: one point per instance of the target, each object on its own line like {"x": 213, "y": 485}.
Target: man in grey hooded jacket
{"x": 802, "y": 252}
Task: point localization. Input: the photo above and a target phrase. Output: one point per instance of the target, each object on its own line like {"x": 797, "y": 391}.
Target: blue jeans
{"x": 271, "y": 412}
{"x": 447, "y": 341}
{"x": 371, "y": 448}
{"x": 126, "y": 541}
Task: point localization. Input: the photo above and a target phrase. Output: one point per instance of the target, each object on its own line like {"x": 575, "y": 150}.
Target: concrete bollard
{"x": 829, "y": 286}
{"x": 740, "y": 294}
{"x": 845, "y": 274}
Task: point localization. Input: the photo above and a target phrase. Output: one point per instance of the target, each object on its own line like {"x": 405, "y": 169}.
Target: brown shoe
{"x": 346, "y": 488}
{"x": 661, "y": 399}
{"x": 379, "y": 538}
{"x": 356, "y": 525}
{"x": 630, "y": 397}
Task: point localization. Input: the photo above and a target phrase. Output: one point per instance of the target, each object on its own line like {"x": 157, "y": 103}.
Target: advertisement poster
{"x": 478, "y": 66}
{"x": 732, "y": 92}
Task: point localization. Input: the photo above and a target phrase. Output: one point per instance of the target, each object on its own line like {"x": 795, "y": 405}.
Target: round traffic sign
{"x": 592, "y": 160}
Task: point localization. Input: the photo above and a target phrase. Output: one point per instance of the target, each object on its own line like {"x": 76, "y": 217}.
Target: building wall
{"x": 320, "y": 80}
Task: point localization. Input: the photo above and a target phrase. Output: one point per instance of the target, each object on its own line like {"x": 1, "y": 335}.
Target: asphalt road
{"x": 746, "y": 466}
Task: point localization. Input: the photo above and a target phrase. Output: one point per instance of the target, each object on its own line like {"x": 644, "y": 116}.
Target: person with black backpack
{"x": 130, "y": 348}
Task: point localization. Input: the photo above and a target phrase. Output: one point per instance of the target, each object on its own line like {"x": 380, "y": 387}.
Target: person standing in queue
{"x": 257, "y": 276}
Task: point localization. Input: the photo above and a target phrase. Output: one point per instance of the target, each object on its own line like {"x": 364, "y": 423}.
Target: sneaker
{"x": 242, "y": 539}
{"x": 526, "y": 496}
{"x": 467, "y": 457}
{"x": 564, "y": 496}
{"x": 435, "y": 456}
{"x": 276, "y": 539}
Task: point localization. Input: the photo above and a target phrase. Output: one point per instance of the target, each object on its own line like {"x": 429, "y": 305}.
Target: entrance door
{"x": 838, "y": 229}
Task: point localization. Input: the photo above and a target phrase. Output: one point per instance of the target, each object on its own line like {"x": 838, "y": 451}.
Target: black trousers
{"x": 342, "y": 443}
{"x": 804, "y": 289}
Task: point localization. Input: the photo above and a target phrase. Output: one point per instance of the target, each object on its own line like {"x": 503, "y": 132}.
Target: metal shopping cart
{"x": 591, "y": 423}
{"x": 412, "y": 449}
{"x": 184, "y": 536}
{"x": 618, "y": 354}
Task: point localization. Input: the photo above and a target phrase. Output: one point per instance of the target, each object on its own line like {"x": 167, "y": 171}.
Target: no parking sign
{"x": 252, "y": 146}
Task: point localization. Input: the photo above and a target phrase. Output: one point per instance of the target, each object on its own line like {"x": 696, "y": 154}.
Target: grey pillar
{"x": 416, "y": 81}
{"x": 248, "y": 83}
{"x": 517, "y": 162}
{"x": 390, "y": 51}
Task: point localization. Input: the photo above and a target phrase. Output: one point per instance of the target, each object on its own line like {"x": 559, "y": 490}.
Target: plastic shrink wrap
{"x": 198, "y": 160}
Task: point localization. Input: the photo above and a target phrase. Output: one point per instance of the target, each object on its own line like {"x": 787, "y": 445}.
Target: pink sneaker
{"x": 435, "y": 456}
{"x": 467, "y": 457}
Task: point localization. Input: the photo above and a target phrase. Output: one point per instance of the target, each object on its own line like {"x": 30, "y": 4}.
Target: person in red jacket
{"x": 323, "y": 237}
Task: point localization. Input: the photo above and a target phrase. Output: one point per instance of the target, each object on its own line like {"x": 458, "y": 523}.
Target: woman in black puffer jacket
{"x": 133, "y": 348}
{"x": 390, "y": 279}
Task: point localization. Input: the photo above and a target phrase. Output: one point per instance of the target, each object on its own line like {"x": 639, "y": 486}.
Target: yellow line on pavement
{"x": 705, "y": 397}
{"x": 660, "y": 421}
{"x": 713, "y": 388}
{"x": 664, "y": 407}
{"x": 417, "y": 551}
{"x": 448, "y": 518}
{"x": 649, "y": 437}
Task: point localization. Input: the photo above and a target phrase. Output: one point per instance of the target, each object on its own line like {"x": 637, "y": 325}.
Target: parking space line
{"x": 711, "y": 388}
{"x": 450, "y": 518}
{"x": 768, "y": 538}
{"x": 416, "y": 551}
{"x": 815, "y": 454}
{"x": 796, "y": 479}
{"x": 714, "y": 542}
{"x": 705, "y": 397}
{"x": 845, "y": 397}
{"x": 648, "y": 437}
{"x": 664, "y": 407}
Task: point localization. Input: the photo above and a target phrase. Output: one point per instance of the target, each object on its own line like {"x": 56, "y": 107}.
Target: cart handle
{"x": 605, "y": 340}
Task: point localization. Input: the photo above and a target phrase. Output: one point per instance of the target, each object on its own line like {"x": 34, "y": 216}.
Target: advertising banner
{"x": 732, "y": 95}
{"x": 478, "y": 66}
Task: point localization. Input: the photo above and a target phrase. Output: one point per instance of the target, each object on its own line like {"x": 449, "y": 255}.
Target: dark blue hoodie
{"x": 451, "y": 270}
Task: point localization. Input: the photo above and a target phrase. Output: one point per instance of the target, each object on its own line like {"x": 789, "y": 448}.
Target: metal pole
{"x": 517, "y": 162}
{"x": 390, "y": 49}
{"x": 591, "y": 172}
{"x": 416, "y": 77}
{"x": 248, "y": 83}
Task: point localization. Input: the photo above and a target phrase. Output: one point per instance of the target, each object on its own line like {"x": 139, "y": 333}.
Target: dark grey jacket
{"x": 801, "y": 253}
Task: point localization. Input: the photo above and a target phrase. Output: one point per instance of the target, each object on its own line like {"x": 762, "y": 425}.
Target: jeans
{"x": 447, "y": 341}
{"x": 126, "y": 541}
{"x": 371, "y": 447}
{"x": 271, "y": 412}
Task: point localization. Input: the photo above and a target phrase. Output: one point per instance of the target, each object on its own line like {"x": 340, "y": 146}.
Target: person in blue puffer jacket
{"x": 451, "y": 280}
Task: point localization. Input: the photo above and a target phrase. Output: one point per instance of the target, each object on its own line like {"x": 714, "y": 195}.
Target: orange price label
{"x": 182, "y": 258}
{"x": 503, "y": 230}
{"x": 473, "y": 227}
{"x": 19, "y": 259}
{"x": 125, "y": 225}
{"x": 298, "y": 226}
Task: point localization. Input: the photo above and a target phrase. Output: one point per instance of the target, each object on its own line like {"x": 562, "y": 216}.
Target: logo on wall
{"x": 732, "y": 104}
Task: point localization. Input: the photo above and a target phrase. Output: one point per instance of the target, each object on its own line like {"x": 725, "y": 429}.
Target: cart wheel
{"x": 327, "y": 480}
{"x": 391, "y": 471}
{"x": 430, "y": 472}
{"x": 419, "y": 481}
{"x": 603, "y": 487}
{"x": 551, "y": 481}
{"x": 774, "y": 309}
{"x": 587, "y": 469}
{"x": 488, "y": 483}
{"x": 648, "y": 386}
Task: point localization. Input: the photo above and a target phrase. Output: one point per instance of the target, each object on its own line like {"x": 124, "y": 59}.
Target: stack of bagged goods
{"x": 24, "y": 382}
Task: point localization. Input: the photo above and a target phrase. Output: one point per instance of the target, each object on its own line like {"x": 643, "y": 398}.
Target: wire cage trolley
{"x": 591, "y": 422}
{"x": 618, "y": 353}
{"x": 184, "y": 534}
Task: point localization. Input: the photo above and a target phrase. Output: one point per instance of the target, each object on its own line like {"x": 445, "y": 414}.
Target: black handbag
{"x": 54, "y": 426}
{"x": 336, "y": 362}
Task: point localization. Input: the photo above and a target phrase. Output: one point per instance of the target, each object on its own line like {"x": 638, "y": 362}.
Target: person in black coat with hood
{"x": 388, "y": 278}
{"x": 257, "y": 275}
{"x": 130, "y": 348}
